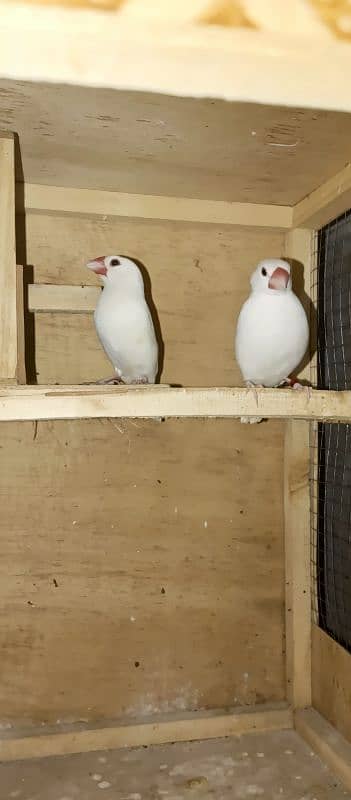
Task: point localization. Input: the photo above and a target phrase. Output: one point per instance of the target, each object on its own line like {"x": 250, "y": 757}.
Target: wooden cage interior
{"x": 147, "y": 527}
{"x": 155, "y": 562}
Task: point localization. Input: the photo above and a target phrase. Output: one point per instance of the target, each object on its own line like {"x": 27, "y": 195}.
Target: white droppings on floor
{"x": 238, "y": 768}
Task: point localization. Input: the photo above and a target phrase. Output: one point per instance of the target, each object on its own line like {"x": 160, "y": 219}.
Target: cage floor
{"x": 278, "y": 766}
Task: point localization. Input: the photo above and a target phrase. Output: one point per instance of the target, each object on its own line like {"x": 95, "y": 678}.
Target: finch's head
{"x": 118, "y": 271}
{"x": 271, "y": 275}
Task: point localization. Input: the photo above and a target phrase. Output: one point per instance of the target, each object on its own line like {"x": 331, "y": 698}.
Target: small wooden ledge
{"x": 188, "y": 727}
{"x": 83, "y": 402}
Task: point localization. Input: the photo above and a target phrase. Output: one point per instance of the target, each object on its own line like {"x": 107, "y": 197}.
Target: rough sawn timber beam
{"x": 48, "y": 297}
{"x": 84, "y": 402}
{"x": 325, "y": 203}
{"x": 63, "y": 200}
{"x": 171, "y": 728}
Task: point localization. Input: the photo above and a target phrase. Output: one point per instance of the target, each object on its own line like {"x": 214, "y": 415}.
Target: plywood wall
{"x": 141, "y": 567}
{"x": 141, "y": 564}
{"x": 331, "y": 681}
{"x": 199, "y": 276}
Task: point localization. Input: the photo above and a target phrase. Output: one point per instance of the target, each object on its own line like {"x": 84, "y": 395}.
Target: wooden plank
{"x": 325, "y": 203}
{"x": 124, "y": 543}
{"x": 299, "y": 250}
{"x": 325, "y": 740}
{"x": 297, "y": 563}
{"x": 204, "y": 63}
{"x": 331, "y": 681}
{"x": 59, "y": 298}
{"x": 8, "y": 321}
{"x": 71, "y": 402}
{"x": 190, "y": 728}
{"x": 63, "y": 200}
{"x": 21, "y": 357}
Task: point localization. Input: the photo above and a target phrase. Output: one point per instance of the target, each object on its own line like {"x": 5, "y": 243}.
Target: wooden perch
{"x": 82, "y": 402}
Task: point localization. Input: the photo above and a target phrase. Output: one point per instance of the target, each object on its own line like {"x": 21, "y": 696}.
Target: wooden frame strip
{"x": 299, "y": 249}
{"x": 8, "y": 308}
{"x": 21, "y": 344}
{"x": 191, "y": 727}
{"x": 62, "y": 200}
{"x": 44, "y": 297}
{"x": 84, "y": 402}
{"x": 297, "y": 563}
{"x": 325, "y": 203}
{"x": 325, "y": 740}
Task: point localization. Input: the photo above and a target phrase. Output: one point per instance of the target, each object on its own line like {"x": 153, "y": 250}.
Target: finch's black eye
{"x": 263, "y": 271}
{"x": 114, "y": 262}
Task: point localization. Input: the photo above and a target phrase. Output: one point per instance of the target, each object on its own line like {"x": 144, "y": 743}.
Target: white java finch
{"x": 123, "y": 321}
{"x": 272, "y": 330}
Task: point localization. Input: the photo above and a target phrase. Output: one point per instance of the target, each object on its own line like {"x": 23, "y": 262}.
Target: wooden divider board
{"x": 8, "y": 316}
{"x": 141, "y": 568}
{"x": 331, "y": 680}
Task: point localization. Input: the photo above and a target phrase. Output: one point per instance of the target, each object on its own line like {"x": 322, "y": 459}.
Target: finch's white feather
{"x": 123, "y": 321}
{"x": 272, "y": 330}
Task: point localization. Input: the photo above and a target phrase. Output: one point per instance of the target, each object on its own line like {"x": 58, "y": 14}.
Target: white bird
{"x": 123, "y": 321}
{"x": 272, "y": 330}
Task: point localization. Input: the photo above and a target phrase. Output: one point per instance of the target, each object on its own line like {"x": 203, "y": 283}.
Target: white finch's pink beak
{"x": 98, "y": 265}
{"x": 279, "y": 279}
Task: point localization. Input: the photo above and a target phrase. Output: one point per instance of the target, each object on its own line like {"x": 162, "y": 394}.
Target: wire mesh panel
{"x": 331, "y": 464}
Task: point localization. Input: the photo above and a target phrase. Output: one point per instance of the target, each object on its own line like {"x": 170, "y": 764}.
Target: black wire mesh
{"x": 331, "y": 462}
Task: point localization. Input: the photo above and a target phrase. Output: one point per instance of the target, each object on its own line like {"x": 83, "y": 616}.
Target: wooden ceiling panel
{"x": 155, "y": 144}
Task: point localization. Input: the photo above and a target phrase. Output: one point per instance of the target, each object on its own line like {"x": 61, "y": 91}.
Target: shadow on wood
{"x": 28, "y": 272}
{"x": 154, "y": 314}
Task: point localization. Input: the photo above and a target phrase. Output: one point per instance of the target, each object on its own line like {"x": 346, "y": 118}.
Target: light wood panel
{"x": 326, "y": 203}
{"x": 158, "y": 144}
{"x": 299, "y": 251}
{"x": 331, "y": 681}
{"x": 297, "y": 563}
{"x": 59, "y": 199}
{"x": 47, "y": 297}
{"x": 331, "y": 747}
{"x": 199, "y": 275}
{"x": 21, "y": 375}
{"x": 178, "y": 57}
{"x": 172, "y": 728}
{"x": 8, "y": 317}
{"x": 138, "y": 575}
